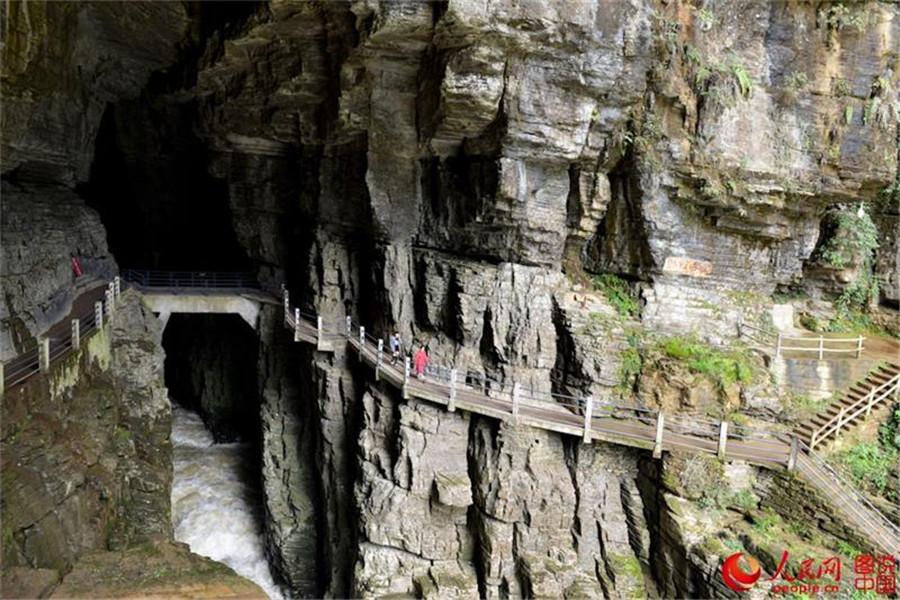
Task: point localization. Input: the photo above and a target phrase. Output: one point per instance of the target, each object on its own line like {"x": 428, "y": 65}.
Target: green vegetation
{"x": 889, "y": 432}
{"x": 726, "y": 367}
{"x": 841, "y": 87}
{"x": 744, "y": 500}
{"x": 743, "y": 78}
{"x": 838, "y": 17}
{"x": 847, "y": 549}
{"x": 632, "y": 363}
{"x": 883, "y": 107}
{"x": 764, "y": 524}
{"x": 707, "y": 18}
{"x": 788, "y": 295}
{"x": 796, "y": 81}
{"x": 806, "y": 407}
{"x": 852, "y": 235}
{"x": 869, "y": 465}
{"x": 617, "y": 292}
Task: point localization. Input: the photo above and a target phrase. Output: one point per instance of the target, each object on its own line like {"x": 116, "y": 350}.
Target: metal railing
{"x": 847, "y": 414}
{"x": 644, "y": 427}
{"x": 190, "y": 279}
{"x": 49, "y": 349}
{"x": 816, "y": 345}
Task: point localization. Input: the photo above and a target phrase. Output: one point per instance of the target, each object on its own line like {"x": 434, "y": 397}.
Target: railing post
{"x": 840, "y": 422}
{"x": 723, "y": 438}
{"x": 349, "y": 326}
{"x": 588, "y": 409}
{"x": 118, "y": 282}
{"x": 515, "y": 403}
{"x": 859, "y": 342}
{"x": 44, "y": 353}
{"x": 296, "y": 324}
{"x": 657, "y": 443}
{"x": 287, "y": 304}
{"x": 406, "y": 378}
{"x": 378, "y": 359}
{"x": 821, "y": 347}
{"x": 362, "y": 339}
{"x": 320, "y": 334}
{"x": 813, "y": 439}
{"x": 109, "y": 302}
{"x": 451, "y": 406}
{"x": 870, "y": 403}
{"x": 778, "y": 346}
{"x": 792, "y": 460}
{"x": 76, "y": 333}
{"x": 2, "y": 388}
{"x": 98, "y": 314}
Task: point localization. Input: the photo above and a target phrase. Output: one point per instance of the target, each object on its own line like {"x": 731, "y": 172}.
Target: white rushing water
{"x": 213, "y": 510}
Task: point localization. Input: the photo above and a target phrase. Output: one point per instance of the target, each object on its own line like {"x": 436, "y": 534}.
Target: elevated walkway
{"x": 199, "y": 292}
{"x": 592, "y": 420}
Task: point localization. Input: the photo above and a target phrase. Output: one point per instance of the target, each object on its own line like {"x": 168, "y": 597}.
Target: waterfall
{"x": 213, "y": 510}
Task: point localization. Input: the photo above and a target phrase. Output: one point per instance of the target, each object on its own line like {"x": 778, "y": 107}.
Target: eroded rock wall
{"x": 86, "y": 450}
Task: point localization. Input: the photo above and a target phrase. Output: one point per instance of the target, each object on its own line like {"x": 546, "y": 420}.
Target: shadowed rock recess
{"x": 460, "y": 172}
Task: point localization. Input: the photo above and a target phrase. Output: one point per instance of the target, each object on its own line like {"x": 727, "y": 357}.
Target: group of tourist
{"x": 419, "y": 359}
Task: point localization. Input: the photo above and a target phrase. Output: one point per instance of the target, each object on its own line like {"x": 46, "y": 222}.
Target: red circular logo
{"x": 735, "y": 577}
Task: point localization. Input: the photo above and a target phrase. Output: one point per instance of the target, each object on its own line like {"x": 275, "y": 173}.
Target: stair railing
{"x": 848, "y": 413}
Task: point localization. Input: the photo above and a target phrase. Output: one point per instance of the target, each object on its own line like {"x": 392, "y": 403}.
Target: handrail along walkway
{"x": 50, "y": 349}
{"x": 591, "y": 420}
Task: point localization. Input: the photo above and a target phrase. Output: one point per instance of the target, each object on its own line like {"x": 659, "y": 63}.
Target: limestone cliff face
{"x": 449, "y": 170}
{"x": 86, "y": 451}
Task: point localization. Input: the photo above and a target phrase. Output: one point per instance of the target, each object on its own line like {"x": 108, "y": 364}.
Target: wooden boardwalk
{"x": 604, "y": 422}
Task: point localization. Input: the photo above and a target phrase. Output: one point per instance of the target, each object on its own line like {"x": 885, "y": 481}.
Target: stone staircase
{"x": 877, "y": 387}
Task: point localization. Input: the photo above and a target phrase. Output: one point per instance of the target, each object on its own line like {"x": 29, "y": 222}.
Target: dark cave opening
{"x": 210, "y": 368}
{"x": 151, "y": 185}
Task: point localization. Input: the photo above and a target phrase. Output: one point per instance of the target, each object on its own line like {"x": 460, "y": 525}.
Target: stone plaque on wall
{"x": 687, "y": 266}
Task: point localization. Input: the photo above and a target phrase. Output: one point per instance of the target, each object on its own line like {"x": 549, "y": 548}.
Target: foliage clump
{"x": 618, "y": 293}
{"x": 726, "y": 367}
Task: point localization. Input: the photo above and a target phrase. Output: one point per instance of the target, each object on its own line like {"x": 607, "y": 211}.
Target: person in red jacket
{"x": 420, "y": 361}
{"x": 76, "y": 266}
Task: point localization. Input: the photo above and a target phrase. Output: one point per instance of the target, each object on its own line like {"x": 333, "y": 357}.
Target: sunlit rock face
{"x": 434, "y": 168}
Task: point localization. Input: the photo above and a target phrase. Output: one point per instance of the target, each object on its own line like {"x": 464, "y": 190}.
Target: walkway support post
{"x": 320, "y": 334}
{"x": 406, "y": 378}
{"x": 657, "y": 443}
{"x": 98, "y": 314}
{"x": 517, "y": 389}
{"x": 76, "y": 333}
{"x": 859, "y": 342}
{"x": 378, "y": 360}
{"x": 451, "y": 406}
{"x": 588, "y": 410}
{"x": 349, "y": 326}
{"x": 118, "y": 283}
{"x": 778, "y": 346}
{"x": 296, "y": 324}
{"x": 792, "y": 459}
{"x": 44, "y": 353}
{"x": 723, "y": 438}
{"x": 821, "y": 347}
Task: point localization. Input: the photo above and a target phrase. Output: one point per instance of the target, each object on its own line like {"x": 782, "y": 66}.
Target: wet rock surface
{"x": 434, "y": 169}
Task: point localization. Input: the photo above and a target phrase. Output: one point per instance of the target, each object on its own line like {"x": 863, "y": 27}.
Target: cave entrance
{"x": 210, "y": 368}
{"x": 150, "y": 181}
